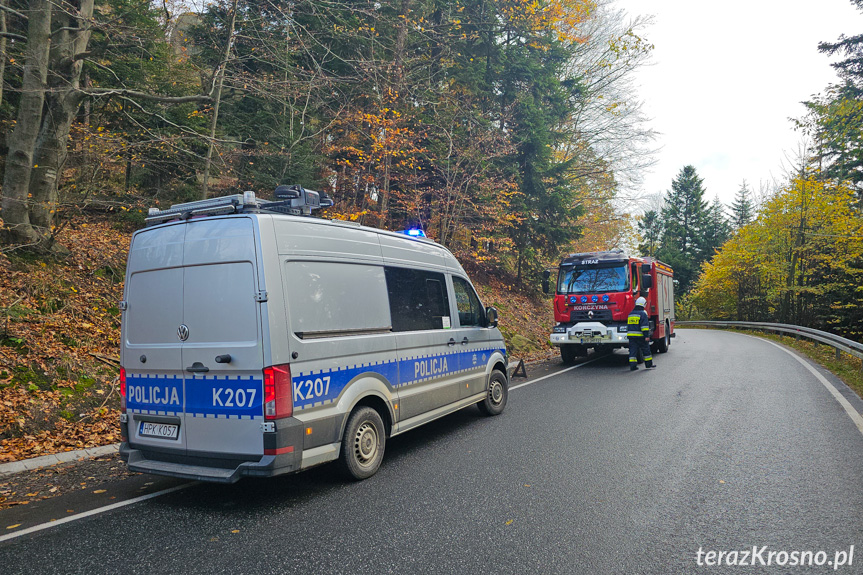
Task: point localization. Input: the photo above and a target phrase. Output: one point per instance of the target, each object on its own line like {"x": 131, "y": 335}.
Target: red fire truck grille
{"x": 590, "y": 315}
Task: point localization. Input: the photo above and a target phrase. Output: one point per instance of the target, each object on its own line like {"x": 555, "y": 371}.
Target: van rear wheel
{"x": 495, "y": 399}
{"x": 363, "y": 443}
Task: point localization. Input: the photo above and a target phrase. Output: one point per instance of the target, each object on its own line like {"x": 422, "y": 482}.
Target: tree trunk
{"x": 218, "y": 97}
{"x": 19, "y": 161}
{"x": 2, "y": 48}
{"x": 61, "y": 105}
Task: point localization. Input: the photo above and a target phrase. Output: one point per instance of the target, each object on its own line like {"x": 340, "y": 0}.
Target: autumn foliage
{"x": 799, "y": 262}
{"x": 60, "y": 337}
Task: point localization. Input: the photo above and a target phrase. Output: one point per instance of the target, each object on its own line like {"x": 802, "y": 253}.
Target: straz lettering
{"x": 305, "y": 390}
{"x": 153, "y": 395}
{"x": 588, "y": 262}
{"x": 227, "y": 397}
{"x": 430, "y": 367}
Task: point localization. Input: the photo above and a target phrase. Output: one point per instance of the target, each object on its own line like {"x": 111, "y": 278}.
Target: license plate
{"x": 160, "y": 430}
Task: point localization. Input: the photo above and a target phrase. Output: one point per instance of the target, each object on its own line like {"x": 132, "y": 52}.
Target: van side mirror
{"x": 545, "y": 275}
{"x": 491, "y": 317}
{"x": 646, "y": 282}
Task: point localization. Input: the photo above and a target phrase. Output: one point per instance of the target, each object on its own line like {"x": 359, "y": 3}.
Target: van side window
{"x": 470, "y": 312}
{"x": 418, "y": 299}
{"x": 335, "y": 298}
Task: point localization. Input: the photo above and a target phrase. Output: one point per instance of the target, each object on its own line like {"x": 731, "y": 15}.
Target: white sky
{"x": 725, "y": 79}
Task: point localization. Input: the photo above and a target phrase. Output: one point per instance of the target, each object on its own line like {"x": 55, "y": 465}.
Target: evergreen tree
{"x": 741, "y": 209}
{"x": 684, "y": 217}
{"x": 837, "y": 117}
{"x": 538, "y": 96}
{"x": 717, "y": 230}
{"x": 650, "y": 230}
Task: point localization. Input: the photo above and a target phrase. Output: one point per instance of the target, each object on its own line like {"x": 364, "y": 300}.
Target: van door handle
{"x": 198, "y": 367}
{"x": 465, "y": 341}
{"x": 451, "y": 342}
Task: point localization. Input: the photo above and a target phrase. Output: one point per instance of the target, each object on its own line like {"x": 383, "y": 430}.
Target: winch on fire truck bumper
{"x": 586, "y": 333}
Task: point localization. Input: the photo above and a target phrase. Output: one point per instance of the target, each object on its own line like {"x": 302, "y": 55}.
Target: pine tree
{"x": 650, "y": 229}
{"x": 684, "y": 217}
{"x": 741, "y": 209}
{"x": 717, "y": 230}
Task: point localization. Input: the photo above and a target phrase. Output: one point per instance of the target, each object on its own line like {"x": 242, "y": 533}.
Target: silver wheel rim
{"x": 366, "y": 443}
{"x": 495, "y": 393}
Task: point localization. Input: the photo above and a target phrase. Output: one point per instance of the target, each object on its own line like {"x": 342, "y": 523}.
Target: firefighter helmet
{"x": 641, "y": 301}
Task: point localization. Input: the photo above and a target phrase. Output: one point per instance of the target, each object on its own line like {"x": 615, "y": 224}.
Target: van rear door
{"x": 222, "y": 355}
{"x": 151, "y": 350}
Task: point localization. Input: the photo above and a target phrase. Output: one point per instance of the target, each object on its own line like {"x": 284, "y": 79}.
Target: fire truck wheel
{"x": 663, "y": 344}
{"x": 495, "y": 399}
{"x": 363, "y": 443}
{"x": 568, "y": 352}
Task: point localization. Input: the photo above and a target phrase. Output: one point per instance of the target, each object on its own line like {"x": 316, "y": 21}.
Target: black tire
{"x": 495, "y": 398}
{"x": 568, "y": 352}
{"x": 663, "y": 344}
{"x": 363, "y": 443}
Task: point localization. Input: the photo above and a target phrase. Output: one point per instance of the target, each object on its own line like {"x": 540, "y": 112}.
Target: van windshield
{"x": 593, "y": 279}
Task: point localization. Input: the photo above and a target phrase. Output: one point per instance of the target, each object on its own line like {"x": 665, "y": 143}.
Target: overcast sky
{"x": 725, "y": 79}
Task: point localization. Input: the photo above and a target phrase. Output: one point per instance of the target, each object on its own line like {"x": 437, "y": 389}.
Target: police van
{"x": 258, "y": 341}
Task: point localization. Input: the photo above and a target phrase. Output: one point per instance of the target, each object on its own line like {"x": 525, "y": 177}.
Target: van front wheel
{"x": 363, "y": 443}
{"x": 495, "y": 398}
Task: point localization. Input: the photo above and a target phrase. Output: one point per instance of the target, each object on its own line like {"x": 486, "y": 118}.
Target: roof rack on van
{"x": 292, "y": 200}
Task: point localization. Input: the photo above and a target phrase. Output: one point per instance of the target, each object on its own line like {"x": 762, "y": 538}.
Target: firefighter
{"x": 638, "y": 332}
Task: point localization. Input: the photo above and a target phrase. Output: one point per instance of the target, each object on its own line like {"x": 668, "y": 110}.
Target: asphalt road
{"x": 729, "y": 444}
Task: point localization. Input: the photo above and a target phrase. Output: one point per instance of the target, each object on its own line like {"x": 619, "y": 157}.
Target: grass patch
{"x": 29, "y": 378}
{"x": 15, "y": 343}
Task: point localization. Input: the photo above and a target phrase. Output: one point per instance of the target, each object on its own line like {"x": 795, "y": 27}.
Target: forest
{"x": 494, "y": 126}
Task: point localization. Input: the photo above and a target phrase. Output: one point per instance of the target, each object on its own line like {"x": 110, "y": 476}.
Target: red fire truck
{"x": 595, "y": 293}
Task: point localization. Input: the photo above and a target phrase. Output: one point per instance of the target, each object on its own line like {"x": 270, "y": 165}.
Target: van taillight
{"x": 123, "y": 389}
{"x": 277, "y": 392}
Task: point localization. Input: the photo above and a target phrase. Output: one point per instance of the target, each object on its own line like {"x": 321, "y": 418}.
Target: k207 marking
{"x": 233, "y": 397}
{"x": 311, "y": 389}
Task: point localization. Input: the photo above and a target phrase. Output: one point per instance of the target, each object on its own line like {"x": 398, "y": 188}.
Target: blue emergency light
{"x": 414, "y": 233}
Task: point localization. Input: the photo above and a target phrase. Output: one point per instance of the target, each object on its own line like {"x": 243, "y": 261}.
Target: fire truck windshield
{"x": 593, "y": 279}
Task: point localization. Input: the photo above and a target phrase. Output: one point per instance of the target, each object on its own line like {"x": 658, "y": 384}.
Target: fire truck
{"x": 595, "y": 293}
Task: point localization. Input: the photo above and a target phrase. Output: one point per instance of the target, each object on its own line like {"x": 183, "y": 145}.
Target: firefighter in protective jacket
{"x": 638, "y": 332}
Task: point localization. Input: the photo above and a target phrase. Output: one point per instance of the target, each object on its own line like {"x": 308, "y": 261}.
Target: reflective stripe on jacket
{"x": 638, "y": 323}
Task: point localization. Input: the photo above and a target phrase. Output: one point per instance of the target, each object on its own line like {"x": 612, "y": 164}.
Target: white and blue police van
{"x": 258, "y": 341}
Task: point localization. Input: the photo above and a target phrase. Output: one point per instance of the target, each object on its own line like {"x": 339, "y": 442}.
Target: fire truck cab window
{"x": 418, "y": 299}
{"x": 592, "y": 279}
{"x": 634, "y": 282}
{"x": 470, "y": 312}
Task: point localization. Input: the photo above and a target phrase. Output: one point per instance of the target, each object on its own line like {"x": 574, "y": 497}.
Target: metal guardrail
{"x": 840, "y": 344}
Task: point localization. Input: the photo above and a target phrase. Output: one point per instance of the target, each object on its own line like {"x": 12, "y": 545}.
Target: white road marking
{"x": 537, "y": 380}
{"x": 849, "y": 409}
{"x": 92, "y": 512}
